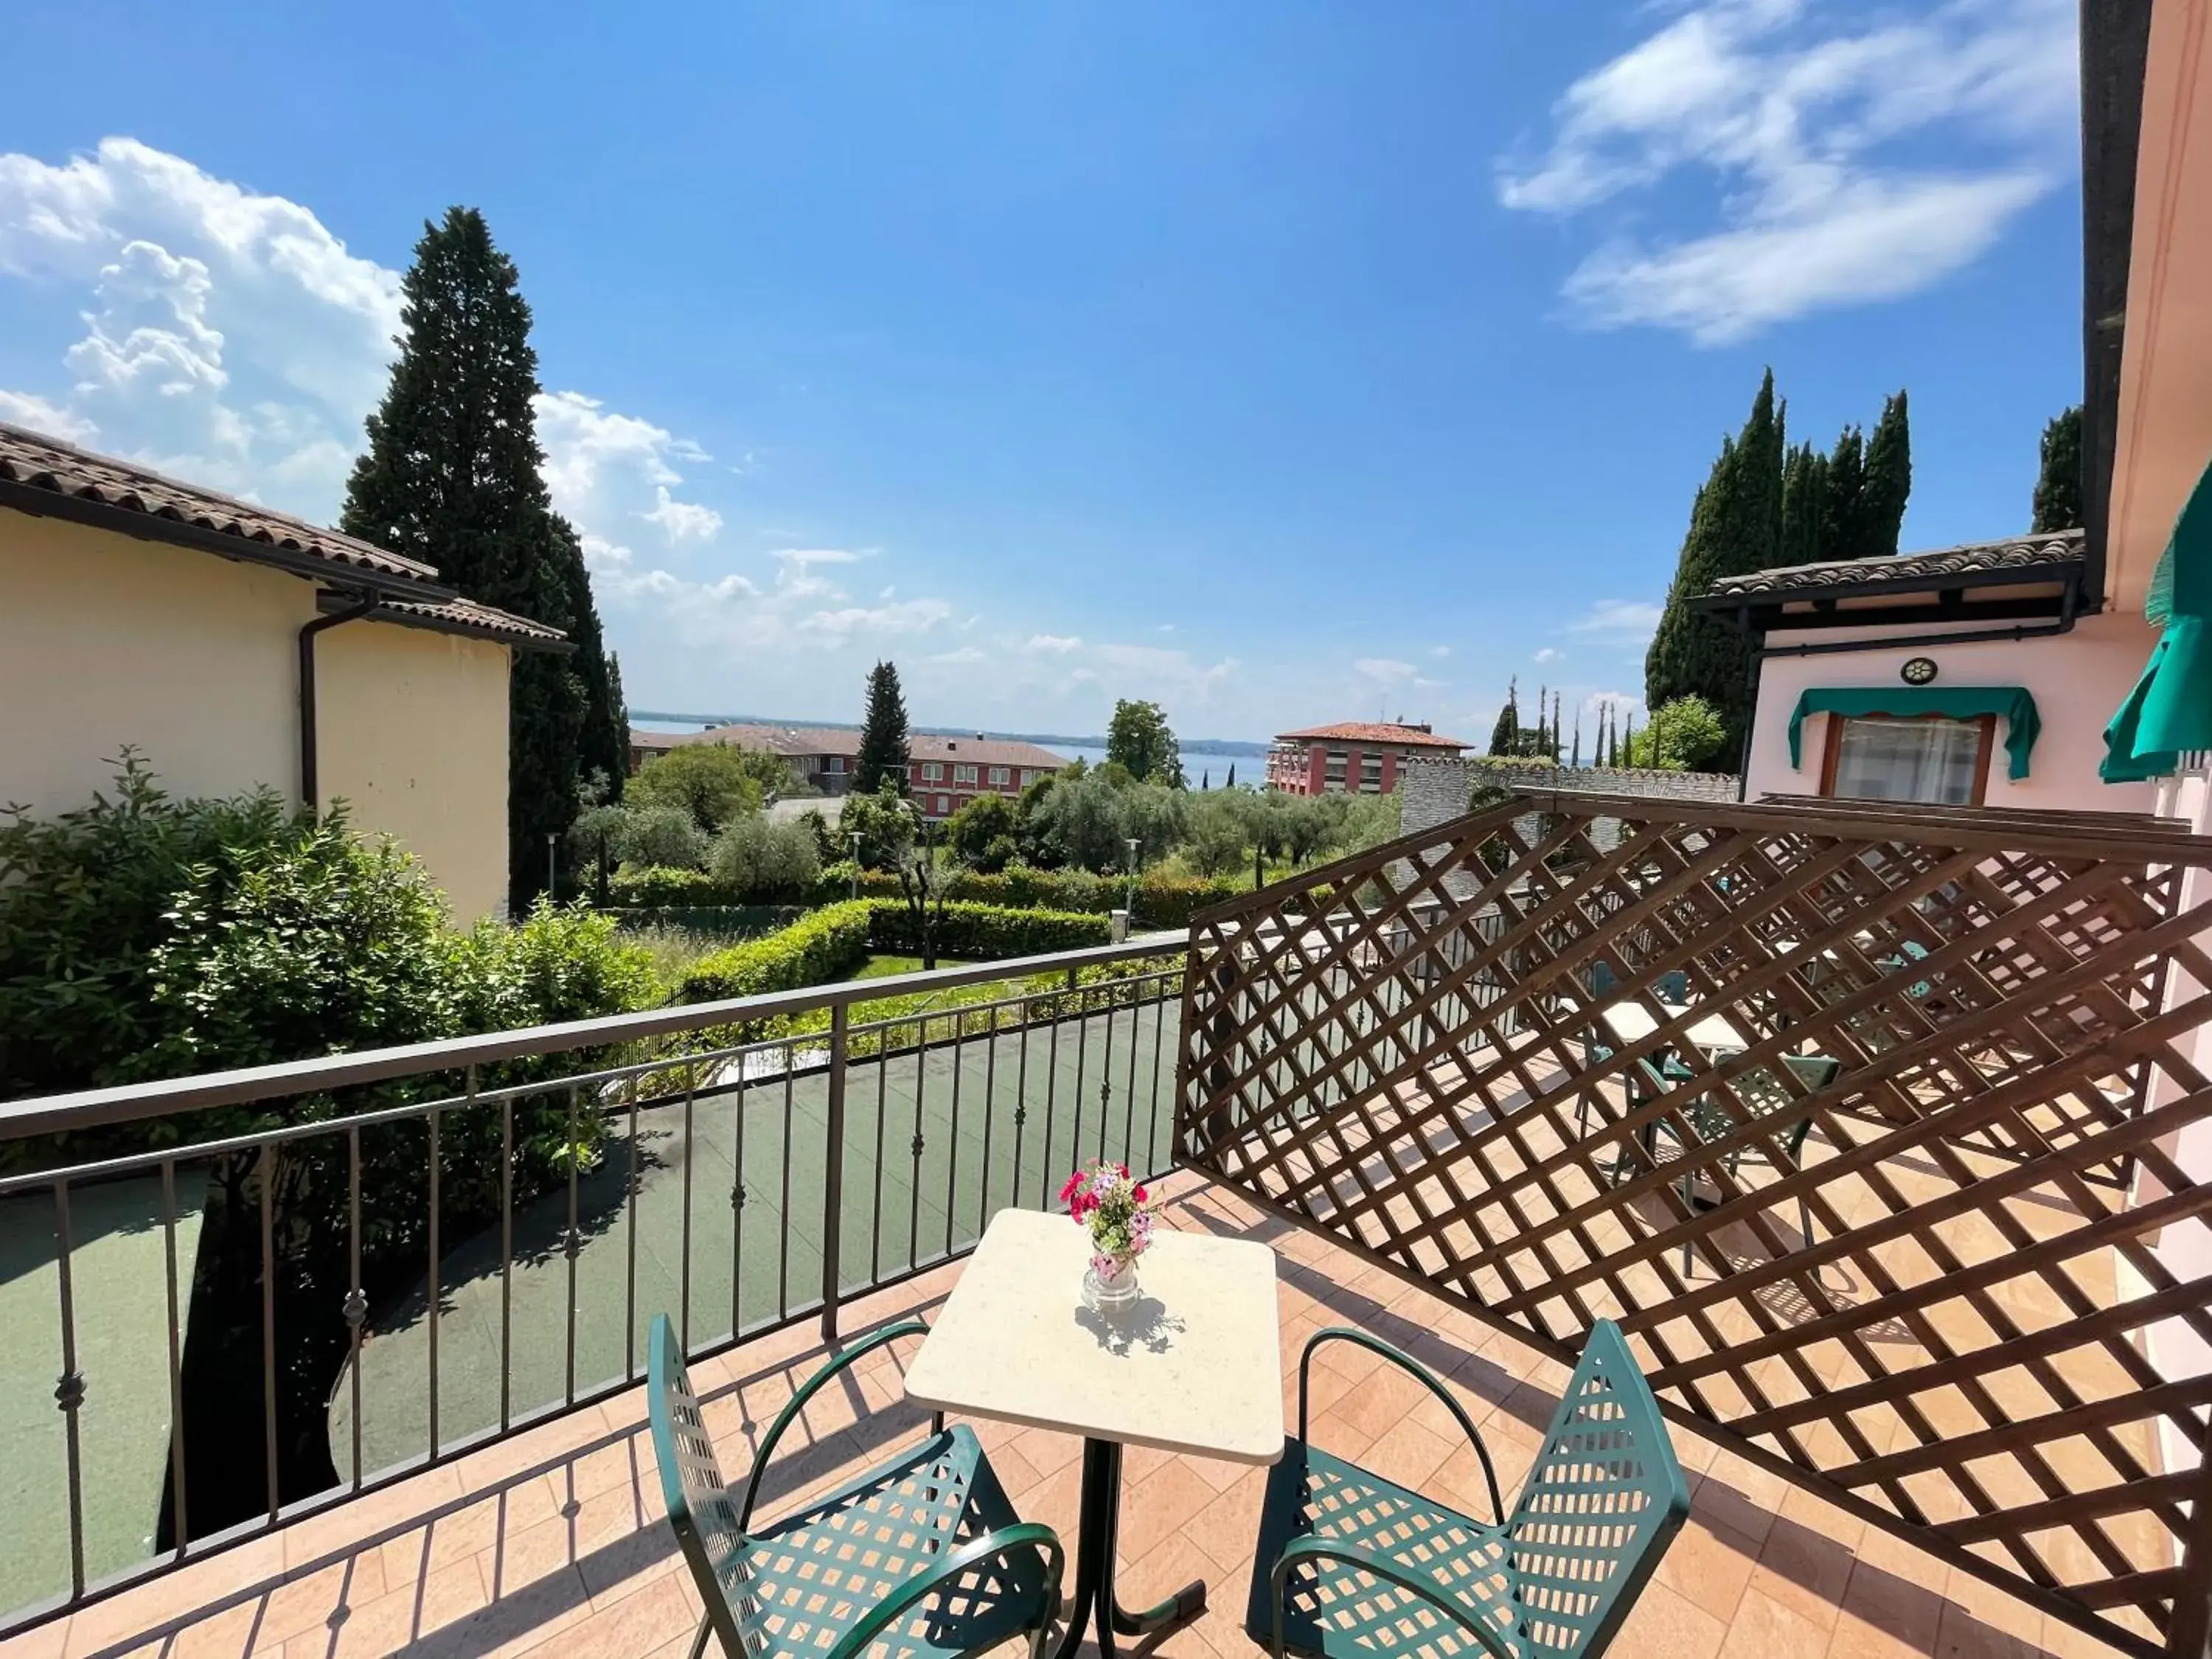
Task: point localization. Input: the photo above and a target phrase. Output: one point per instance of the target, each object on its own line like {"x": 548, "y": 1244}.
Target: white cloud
{"x": 1440, "y": 651}
{"x": 21, "y": 408}
{"x": 1054, "y": 644}
{"x": 1797, "y": 114}
{"x": 1174, "y": 678}
{"x": 1386, "y": 670}
{"x": 966, "y": 653}
{"x": 228, "y": 336}
{"x": 1618, "y": 621}
{"x": 1549, "y": 653}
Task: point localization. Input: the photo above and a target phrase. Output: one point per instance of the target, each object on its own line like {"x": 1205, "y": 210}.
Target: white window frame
{"x": 999, "y": 777}
{"x": 932, "y": 771}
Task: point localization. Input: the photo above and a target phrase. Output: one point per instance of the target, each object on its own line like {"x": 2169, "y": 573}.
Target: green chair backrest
{"x": 1603, "y": 1501}
{"x": 700, "y": 1512}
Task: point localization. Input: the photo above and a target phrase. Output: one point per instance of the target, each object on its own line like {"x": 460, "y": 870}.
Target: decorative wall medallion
{"x": 1917, "y": 671}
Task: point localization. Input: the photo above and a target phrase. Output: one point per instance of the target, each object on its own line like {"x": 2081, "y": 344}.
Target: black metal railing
{"x": 254, "y": 1294}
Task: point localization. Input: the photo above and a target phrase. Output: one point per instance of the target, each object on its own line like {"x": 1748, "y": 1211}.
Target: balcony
{"x": 553, "y": 1540}
{"x": 1928, "y": 1362}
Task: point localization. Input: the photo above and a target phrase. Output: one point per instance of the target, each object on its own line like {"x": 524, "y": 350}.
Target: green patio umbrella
{"x": 2170, "y": 709}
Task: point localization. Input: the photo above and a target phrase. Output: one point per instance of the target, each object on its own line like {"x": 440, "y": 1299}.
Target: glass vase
{"x": 1113, "y": 1290}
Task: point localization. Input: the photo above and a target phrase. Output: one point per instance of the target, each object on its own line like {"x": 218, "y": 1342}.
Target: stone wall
{"x": 1437, "y": 791}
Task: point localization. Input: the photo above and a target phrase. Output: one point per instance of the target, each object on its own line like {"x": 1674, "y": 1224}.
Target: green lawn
{"x": 882, "y": 967}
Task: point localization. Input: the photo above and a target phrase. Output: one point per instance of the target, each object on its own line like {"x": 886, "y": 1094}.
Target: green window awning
{"x": 2170, "y": 709}
{"x": 1958, "y": 702}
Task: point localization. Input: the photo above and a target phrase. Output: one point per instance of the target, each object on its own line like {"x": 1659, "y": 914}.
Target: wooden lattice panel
{"x": 1925, "y": 1288}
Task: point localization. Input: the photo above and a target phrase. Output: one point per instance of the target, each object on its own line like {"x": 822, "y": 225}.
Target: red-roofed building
{"x": 1355, "y": 756}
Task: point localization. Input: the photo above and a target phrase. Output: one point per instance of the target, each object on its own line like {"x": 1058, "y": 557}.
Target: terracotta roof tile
{"x": 1974, "y": 558}
{"x": 40, "y": 462}
{"x": 1372, "y": 732}
{"x": 467, "y": 617}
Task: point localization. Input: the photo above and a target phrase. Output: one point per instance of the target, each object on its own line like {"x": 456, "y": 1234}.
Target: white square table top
{"x": 1193, "y": 1367}
{"x": 1632, "y": 1022}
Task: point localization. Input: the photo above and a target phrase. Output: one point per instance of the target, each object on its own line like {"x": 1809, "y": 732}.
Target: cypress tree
{"x": 1577, "y": 760}
{"x": 1505, "y": 735}
{"x": 452, "y": 476}
{"x": 1804, "y": 499}
{"x": 884, "y": 751}
{"x": 1231, "y": 784}
{"x": 1735, "y": 526}
{"x": 2058, "y": 487}
{"x": 1889, "y": 482}
{"x": 1842, "y": 527}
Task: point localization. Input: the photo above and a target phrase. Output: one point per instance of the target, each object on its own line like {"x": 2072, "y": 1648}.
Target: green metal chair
{"x": 1765, "y": 1094}
{"x": 1352, "y": 1566}
{"x": 921, "y": 1558}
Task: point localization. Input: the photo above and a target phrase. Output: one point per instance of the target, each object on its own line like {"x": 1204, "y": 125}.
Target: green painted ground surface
{"x": 118, "y": 1285}
{"x": 999, "y": 1121}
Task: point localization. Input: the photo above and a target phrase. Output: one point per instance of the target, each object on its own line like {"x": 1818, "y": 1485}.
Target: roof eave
{"x": 2061, "y": 573}
{"x": 39, "y": 502}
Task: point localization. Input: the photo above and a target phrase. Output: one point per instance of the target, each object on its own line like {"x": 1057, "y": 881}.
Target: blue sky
{"x": 1282, "y": 363}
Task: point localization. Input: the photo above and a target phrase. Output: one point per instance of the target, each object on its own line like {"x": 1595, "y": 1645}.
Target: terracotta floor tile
{"x": 403, "y": 1617}
{"x": 1153, "y": 1510}
{"x": 1665, "y": 1626}
{"x": 1764, "y": 1628}
{"x": 1406, "y": 1454}
{"x": 1227, "y": 1528}
{"x": 1710, "y": 1565}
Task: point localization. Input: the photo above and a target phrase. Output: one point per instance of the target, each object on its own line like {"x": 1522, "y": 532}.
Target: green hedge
{"x": 986, "y": 933}
{"x": 1162, "y": 901}
{"x": 831, "y": 942}
{"x": 652, "y": 886}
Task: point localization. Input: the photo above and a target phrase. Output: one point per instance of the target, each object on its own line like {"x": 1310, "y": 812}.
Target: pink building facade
{"x": 1353, "y": 757}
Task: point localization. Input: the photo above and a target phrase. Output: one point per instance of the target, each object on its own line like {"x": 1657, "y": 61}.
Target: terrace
{"x": 1929, "y": 1363}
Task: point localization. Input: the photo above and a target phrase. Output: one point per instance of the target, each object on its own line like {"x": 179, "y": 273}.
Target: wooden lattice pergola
{"x": 1861, "y": 1120}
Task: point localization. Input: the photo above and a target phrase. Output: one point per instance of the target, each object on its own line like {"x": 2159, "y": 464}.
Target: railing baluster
{"x": 1022, "y": 1103}
{"x": 1129, "y": 1088}
{"x": 631, "y": 1188}
{"x": 833, "y": 1172}
{"x": 572, "y": 1243}
{"x": 268, "y": 1326}
{"x": 882, "y": 1111}
{"x": 505, "y": 1264}
{"x": 354, "y": 1309}
{"x": 953, "y": 1133}
{"x": 914, "y": 1146}
{"x": 737, "y": 1213}
{"x": 990, "y": 1115}
{"x": 1051, "y": 1088}
{"x": 684, "y": 1271}
{"x": 1106, "y": 1078}
{"x": 1165, "y": 986}
{"x": 179, "y": 1520}
{"x": 783, "y": 1203}
{"x": 69, "y": 1392}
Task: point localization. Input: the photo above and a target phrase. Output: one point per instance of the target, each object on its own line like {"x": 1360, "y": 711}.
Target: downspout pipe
{"x": 310, "y": 770}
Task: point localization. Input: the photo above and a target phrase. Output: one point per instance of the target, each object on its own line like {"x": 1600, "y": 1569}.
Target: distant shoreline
{"x": 1234, "y": 747}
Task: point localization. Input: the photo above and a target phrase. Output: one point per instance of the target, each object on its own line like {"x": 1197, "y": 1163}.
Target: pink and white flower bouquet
{"x": 1118, "y": 1212}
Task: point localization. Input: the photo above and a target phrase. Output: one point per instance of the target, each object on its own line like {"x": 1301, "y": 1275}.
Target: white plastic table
{"x": 1193, "y": 1367}
{"x": 1631, "y": 1022}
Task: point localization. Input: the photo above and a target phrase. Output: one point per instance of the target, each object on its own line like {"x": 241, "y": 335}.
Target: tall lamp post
{"x": 855, "y": 839}
{"x": 552, "y": 866}
{"x": 1132, "y": 843}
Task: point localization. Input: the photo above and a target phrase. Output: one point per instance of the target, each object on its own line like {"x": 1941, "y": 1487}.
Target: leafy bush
{"x": 1165, "y": 898}
{"x": 711, "y": 782}
{"x": 1682, "y": 735}
{"x": 653, "y": 886}
{"x": 884, "y": 821}
{"x": 756, "y": 861}
{"x": 981, "y": 833}
{"x": 84, "y": 901}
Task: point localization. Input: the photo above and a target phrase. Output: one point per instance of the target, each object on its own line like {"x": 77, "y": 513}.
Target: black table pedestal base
{"x": 1098, "y": 1522}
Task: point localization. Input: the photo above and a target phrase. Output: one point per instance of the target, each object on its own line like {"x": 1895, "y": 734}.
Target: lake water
{"x": 1210, "y": 770}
